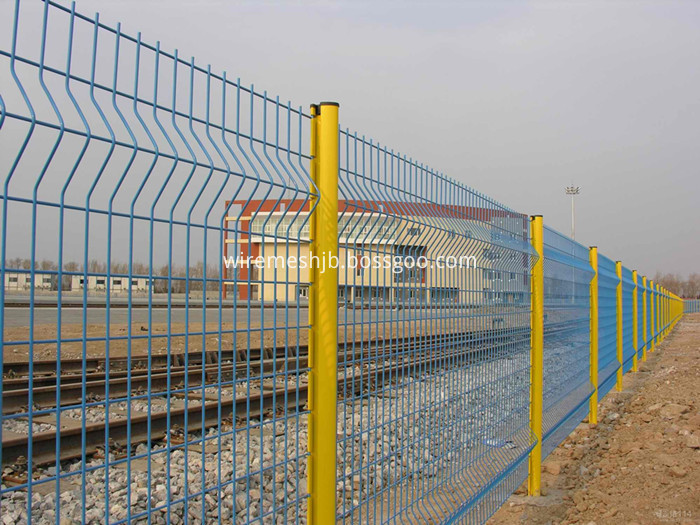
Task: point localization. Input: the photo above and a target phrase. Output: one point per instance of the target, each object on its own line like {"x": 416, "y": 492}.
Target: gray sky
{"x": 515, "y": 99}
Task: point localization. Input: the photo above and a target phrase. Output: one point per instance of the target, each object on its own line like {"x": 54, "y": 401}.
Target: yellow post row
{"x": 618, "y": 272}
{"x": 536, "y": 354}
{"x": 323, "y": 315}
{"x": 635, "y": 321}
{"x": 669, "y": 310}
{"x": 644, "y": 319}
{"x": 593, "y": 402}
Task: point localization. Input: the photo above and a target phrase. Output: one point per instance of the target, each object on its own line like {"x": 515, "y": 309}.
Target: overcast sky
{"x": 515, "y": 99}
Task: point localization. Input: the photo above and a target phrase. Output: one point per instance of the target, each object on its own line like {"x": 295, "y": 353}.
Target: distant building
{"x": 117, "y": 284}
{"x": 493, "y": 238}
{"x": 23, "y": 281}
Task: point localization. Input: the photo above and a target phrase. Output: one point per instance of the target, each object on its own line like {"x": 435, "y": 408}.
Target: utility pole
{"x": 573, "y": 191}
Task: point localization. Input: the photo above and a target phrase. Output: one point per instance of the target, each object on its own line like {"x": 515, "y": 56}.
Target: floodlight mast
{"x": 573, "y": 191}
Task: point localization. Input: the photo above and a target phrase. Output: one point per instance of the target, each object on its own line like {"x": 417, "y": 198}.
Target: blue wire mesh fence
{"x": 607, "y": 325}
{"x": 154, "y": 313}
{"x": 566, "y": 376}
{"x": 434, "y": 382}
{"x": 691, "y": 306}
{"x": 144, "y": 394}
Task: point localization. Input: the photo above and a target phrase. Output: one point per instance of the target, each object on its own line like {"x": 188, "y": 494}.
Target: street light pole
{"x": 573, "y": 191}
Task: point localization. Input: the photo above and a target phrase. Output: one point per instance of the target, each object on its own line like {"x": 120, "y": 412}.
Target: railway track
{"x": 390, "y": 360}
{"x": 72, "y": 369}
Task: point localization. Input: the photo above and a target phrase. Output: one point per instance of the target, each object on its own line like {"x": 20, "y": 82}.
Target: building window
{"x": 378, "y": 292}
{"x": 410, "y": 264}
{"x": 12, "y": 279}
{"x": 303, "y": 291}
{"x": 494, "y": 275}
{"x": 134, "y": 282}
{"x": 47, "y": 280}
{"x": 100, "y": 282}
{"x": 362, "y": 261}
{"x": 414, "y": 231}
{"x": 117, "y": 282}
{"x": 410, "y": 294}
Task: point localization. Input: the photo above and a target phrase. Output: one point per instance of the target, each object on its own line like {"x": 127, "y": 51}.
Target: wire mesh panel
{"x": 155, "y": 387}
{"x": 566, "y": 375}
{"x": 433, "y": 375}
{"x": 691, "y": 306}
{"x": 607, "y": 325}
{"x": 628, "y": 349}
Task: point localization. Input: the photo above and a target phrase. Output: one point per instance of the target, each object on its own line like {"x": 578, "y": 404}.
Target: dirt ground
{"x": 642, "y": 462}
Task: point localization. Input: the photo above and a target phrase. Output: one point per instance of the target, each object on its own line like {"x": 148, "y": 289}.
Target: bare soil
{"x": 641, "y": 464}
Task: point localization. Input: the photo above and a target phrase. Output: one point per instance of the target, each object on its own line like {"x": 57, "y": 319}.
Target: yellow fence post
{"x": 618, "y": 272}
{"x": 659, "y": 317}
{"x": 662, "y": 323}
{"x": 665, "y": 312}
{"x": 644, "y": 319}
{"x": 662, "y": 326}
{"x": 656, "y": 314}
{"x": 666, "y": 319}
{"x": 662, "y": 317}
{"x": 652, "y": 311}
{"x": 536, "y": 357}
{"x": 323, "y": 316}
{"x": 593, "y": 403}
{"x": 635, "y": 321}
